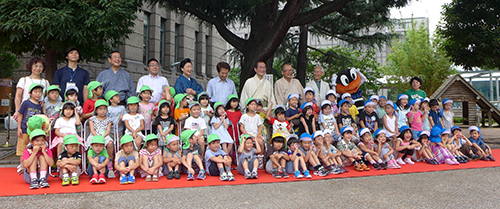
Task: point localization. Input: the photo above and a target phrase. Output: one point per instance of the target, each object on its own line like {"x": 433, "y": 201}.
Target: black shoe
{"x": 490, "y": 157}
{"x": 177, "y": 175}
{"x": 34, "y": 184}
{"x": 376, "y": 166}
{"x": 170, "y": 175}
{"x": 43, "y": 183}
{"x": 384, "y": 165}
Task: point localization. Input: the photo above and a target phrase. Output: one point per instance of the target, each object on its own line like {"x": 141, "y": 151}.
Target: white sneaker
{"x": 400, "y": 161}
{"x": 111, "y": 174}
{"x": 408, "y": 161}
{"x": 20, "y": 169}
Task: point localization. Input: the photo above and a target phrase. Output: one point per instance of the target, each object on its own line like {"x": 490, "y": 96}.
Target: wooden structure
{"x": 458, "y": 89}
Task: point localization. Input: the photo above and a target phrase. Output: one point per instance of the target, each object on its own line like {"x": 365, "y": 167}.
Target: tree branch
{"x": 319, "y": 12}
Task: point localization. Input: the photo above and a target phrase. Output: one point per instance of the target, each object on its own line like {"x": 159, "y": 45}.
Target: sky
{"x": 422, "y": 8}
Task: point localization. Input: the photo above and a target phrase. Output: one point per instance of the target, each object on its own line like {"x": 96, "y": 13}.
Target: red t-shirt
{"x": 88, "y": 106}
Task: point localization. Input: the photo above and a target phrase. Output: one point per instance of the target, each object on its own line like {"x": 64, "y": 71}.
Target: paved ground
{"x": 471, "y": 188}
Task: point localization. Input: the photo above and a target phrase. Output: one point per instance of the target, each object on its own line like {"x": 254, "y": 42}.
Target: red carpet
{"x": 13, "y": 184}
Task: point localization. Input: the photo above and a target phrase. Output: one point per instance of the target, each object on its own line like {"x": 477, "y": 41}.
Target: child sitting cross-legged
{"x": 217, "y": 161}
{"x": 349, "y": 149}
{"x": 247, "y": 157}
{"x": 37, "y": 158}
{"x": 332, "y": 152}
{"x": 366, "y": 145}
{"x": 127, "y": 160}
{"x": 151, "y": 159}
{"x": 172, "y": 157}
{"x": 191, "y": 152}
{"x": 310, "y": 157}
{"x": 296, "y": 162}
{"x": 276, "y": 157}
{"x": 69, "y": 160}
{"x": 98, "y": 160}
{"x": 425, "y": 152}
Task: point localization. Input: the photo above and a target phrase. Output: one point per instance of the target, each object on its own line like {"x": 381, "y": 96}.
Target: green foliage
{"x": 417, "y": 55}
{"x": 8, "y": 63}
{"x": 471, "y": 32}
{"x": 92, "y": 26}
{"x": 234, "y": 75}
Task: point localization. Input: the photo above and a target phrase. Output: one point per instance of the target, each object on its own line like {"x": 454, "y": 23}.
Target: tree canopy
{"x": 471, "y": 32}
{"x": 48, "y": 27}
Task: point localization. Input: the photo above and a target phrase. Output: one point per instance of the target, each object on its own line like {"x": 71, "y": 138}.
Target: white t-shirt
{"x": 251, "y": 123}
{"x": 197, "y": 124}
{"x": 25, "y": 83}
{"x": 134, "y": 121}
{"x": 66, "y": 127}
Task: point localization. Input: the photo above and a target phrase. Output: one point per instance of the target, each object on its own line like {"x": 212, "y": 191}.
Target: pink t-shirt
{"x": 417, "y": 123}
{"x": 147, "y": 112}
{"x": 28, "y": 152}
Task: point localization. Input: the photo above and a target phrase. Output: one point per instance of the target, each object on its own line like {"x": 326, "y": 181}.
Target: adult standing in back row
{"x": 287, "y": 85}
{"x": 258, "y": 88}
{"x": 72, "y": 74}
{"x": 117, "y": 79}
{"x": 153, "y": 80}
{"x": 220, "y": 87}
{"x": 319, "y": 86}
{"x": 185, "y": 84}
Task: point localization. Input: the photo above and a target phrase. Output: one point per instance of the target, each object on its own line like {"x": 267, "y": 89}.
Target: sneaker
{"x": 490, "y": 157}
{"x": 177, "y": 175}
{"x": 455, "y": 162}
{"x": 170, "y": 175}
{"x": 190, "y": 177}
{"x": 131, "y": 179}
{"x": 43, "y": 183}
{"x": 297, "y": 174}
{"x": 408, "y": 161}
{"x": 436, "y": 162}
{"x": 429, "y": 161}
{"x": 466, "y": 158}
{"x": 364, "y": 167}
{"x": 95, "y": 179}
{"x": 475, "y": 157}
{"x": 358, "y": 167}
{"x": 261, "y": 161}
{"x": 307, "y": 174}
{"x": 323, "y": 171}
{"x": 391, "y": 165}
{"x": 230, "y": 176}
{"x": 276, "y": 174}
{"x": 123, "y": 180}
{"x": 223, "y": 176}
{"x": 20, "y": 170}
{"x": 75, "y": 180}
{"x": 254, "y": 175}
{"x": 448, "y": 161}
{"x": 34, "y": 184}
{"x": 485, "y": 158}
{"x": 336, "y": 170}
{"x": 65, "y": 181}
{"x": 376, "y": 166}
{"x": 248, "y": 175}
{"x": 344, "y": 168}
{"x": 111, "y": 174}
{"x": 400, "y": 161}
{"x": 201, "y": 175}
{"x": 284, "y": 174}
{"x": 102, "y": 179}
{"x": 384, "y": 165}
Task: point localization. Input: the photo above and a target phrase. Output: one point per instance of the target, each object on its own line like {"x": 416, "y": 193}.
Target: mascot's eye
{"x": 344, "y": 80}
{"x": 354, "y": 75}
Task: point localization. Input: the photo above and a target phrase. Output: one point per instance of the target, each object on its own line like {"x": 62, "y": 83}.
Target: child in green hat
{"x": 127, "y": 160}
{"x": 36, "y": 160}
{"x": 95, "y": 91}
{"x": 53, "y": 103}
{"x": 151, "y": 159}
{"x": 100, "y": 124}
{"x": 98, "y": 160}
{"x": 181, "y": 111}
{"x": 69, "y": 161}
{"x": 172, "y": 157}
{"x": 217, "y": 161}
{"x": 146, "y": 108}
{"x": 191, "y": 152}
{"x": 115, "y": 111}
{"x": 65, "y": 125}
{"x": 134, "y": 122}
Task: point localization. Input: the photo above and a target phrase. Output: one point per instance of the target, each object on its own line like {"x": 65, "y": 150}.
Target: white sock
{"x": 74, "y": 174}
{"x": 66, "y": 175}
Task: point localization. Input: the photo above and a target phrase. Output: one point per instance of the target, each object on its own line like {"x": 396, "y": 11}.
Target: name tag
{"x": 68, "y": 84}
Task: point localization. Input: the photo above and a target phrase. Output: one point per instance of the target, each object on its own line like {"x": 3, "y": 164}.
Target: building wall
{"x": 196, "y": 40}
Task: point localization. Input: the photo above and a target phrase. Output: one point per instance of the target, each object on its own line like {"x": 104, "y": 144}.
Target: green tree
{"x": 270, "y": 20}
{"x": 8, "y": 63}
{"x": 471, "y": 32}
{"x": 47, "y": 27}
{"x": 417, "y": 55}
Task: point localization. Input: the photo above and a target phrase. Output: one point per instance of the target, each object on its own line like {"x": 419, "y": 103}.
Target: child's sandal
{"x": 148, "y": 178}
{"x": 155, "y": 178}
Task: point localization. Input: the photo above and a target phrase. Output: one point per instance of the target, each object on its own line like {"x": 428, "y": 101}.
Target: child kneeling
{"x": 37, "y": 154}
{"x": 151, "y": 159}
{"x": 127, "y": 160}
{"x": 247, "y": 156}
{"x": 217, "y": 160}
{"x": 98, "y": 160}
{"x": 69, "y": 160}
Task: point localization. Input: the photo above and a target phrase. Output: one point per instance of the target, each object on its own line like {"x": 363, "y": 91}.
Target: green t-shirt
{"x": 412, "y": 94}
{"x": 91, "y": 153}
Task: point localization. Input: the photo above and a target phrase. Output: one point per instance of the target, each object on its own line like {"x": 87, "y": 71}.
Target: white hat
{"x": 345, "y": 95}
{"x": 306, "y": 89}
{"x": 326, "y": 102}
{"x": 374, "y": 97}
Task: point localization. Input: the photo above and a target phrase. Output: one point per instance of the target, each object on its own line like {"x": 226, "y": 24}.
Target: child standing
{"x": 333, "y": 153}
{"x": 181, "y": 111}
{"x": 69, "y": 161}
{"x": 479, "y": 147}
{"x": 52, "y": 104}
{"x": 425, "y": 152}
{"x": 330, "y": 96}
{"x": 380, "y": 109}
{"x": 310, "y": 157}
{"x": 100, "y": 125}
{"x": 349, "y": 149}
{"x": 127, "y": 160}
{"x": 276, "y": 157}
{"x": 164, "y": 122}
{"x": 344, "y": 119}
{"x": 151, "y": 159}
{"x": 384, "y": 150}
{"x": 251, "y": 124}
{"x": 217, "y": 161}
{"x": 233, "y": 113}
{"x": 66, "y": 125}
{"x": 415, "y": 118}
{"x": 366, "y": 145}
{"x": 436, "y": 114}
{"x": 98, "y": 160}
{"x": 134, "y": 122}
{"x": 146, "y": 109}
{"x": 191, "y": 152}
{"x": 439, "y": 150}
{"x": 310, "y": 97}
{"x": 196, "y": 123}
{"x": 247, "y": 158}
{"x": 292, "y": 114}
{"x": 368, "y": 118}
{"x": 95, "y": 91}
{"x": 220, "y": 125}
{"x": 390, "y": 121}
{"x": 115, "y": 112}
{"x": 296, "y": 162}
{"x": 327, "y": 118}
{"x": 307, "y": 119}
{"x": 448, "y": 114}
{"x": 403, "y": 109}
{"x": 280, "y": 125}
{"x": 424, "y": 109}
{"x": 172, "y": 157}
{"x": 37, "y": 159}
{"x": 206, "y": 109}
{"x": 405, "y": 145}
{"x": 71, "y": 94}
{"x": 353, "y": 110}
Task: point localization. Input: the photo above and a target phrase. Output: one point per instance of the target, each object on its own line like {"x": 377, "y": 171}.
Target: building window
{"x": 145, "y": 44}
{"x": 176, "y": 53}
{"x": 162, "y": 41}
{"x": 196, "y": 61}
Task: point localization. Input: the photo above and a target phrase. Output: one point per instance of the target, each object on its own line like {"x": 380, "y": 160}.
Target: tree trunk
{"x": 51, "y": 63}
{"x": 302, "y": 56}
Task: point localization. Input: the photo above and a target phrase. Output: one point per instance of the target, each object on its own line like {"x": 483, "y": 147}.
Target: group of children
{"x": 197, "y": 138}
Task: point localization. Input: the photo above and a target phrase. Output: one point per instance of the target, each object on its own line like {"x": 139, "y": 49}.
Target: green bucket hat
{"x": 213, "y": 137}
{"x": 249, "y": 100}
{"x": 71, "y": 139}
{"x": 34, "y": 123}
{"x": 178, "y": 99}
{"x": 146, "y": 88}
{"x": 161, "y": 102}
{"x": 37, "y": 132}
{"x": 232, "y": 96}
{"x": 132, "y": 100}
{"x": 192, "y": 104}
{"x": 203, "y": 93}
{"x": 172, "y": 91}
{"x": 171, "y": 138}
{"x": 110, "y": 94}
{"x": 126, "y": 139}
{"x": 149, "y": 137}
{"x": 244, "y": 136}
{"x": 53, "y": 87}
{"x": 98, "y": 139}
{"x": 185, "y": 135}
{"x": 98, "y": 103}
{"x": 32, "y": 86}
{"x": 91, "y": 86}
{"x": 217, "y": 104}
